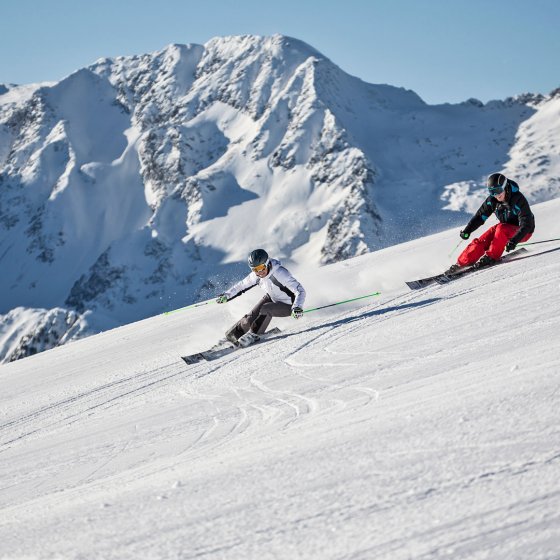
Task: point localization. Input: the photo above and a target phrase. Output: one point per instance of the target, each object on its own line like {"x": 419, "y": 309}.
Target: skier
{"x": 517, "y": 224}
{"x": 284, "y": 297}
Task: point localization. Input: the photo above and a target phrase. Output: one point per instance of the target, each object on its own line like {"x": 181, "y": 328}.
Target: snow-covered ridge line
{"x": 140, "y": 183}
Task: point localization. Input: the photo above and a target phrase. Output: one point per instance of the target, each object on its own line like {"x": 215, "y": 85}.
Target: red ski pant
{"x": 492, "y": 242}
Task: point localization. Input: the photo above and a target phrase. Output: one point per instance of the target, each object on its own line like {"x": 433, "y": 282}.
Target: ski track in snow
{"x": 421, "y": 425}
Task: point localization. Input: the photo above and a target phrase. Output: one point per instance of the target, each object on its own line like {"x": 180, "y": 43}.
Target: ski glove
{"x": 222, "y": 298}
{"x": 464, "y": 234}
{"x": 297, "y": 312}
{"x": 511, "y": 245}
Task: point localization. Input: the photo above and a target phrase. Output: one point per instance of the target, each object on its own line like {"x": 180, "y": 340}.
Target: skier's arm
{"x": 241, "y": 287}
{"x": 526, "y": 220}
{"x": 482, "y": 214}
{"x": 285, "y": 278}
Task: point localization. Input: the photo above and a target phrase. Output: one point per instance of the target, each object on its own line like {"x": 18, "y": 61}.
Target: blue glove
{"x": 511, "y": 245}
{"x": 297, "y": 312}
{"x": 222, "y": 298}
{"x": 464, "y": 235}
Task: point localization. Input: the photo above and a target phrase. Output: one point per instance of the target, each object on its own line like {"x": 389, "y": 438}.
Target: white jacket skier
{"x": 285, "y": 296}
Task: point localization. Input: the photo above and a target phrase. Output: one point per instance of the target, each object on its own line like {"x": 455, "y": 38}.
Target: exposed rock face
{"x": 53, "y": 327}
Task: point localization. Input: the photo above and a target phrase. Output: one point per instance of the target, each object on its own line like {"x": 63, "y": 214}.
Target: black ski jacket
{"x": 515, "y": 210}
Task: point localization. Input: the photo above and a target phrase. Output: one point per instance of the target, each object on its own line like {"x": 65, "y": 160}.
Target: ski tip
{"x": 194, "y": 359}
{"x": 419, "y": 284}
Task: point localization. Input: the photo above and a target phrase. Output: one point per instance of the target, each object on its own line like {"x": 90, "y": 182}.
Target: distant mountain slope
{"x": 140, "y": 183}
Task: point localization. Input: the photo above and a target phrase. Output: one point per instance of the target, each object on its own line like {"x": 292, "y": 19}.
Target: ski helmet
{"x": 496, "y": 183}
{"x": 257, "y": 258}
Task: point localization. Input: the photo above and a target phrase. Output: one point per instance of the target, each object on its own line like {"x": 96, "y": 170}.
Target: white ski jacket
{"x": 279, "y": 284}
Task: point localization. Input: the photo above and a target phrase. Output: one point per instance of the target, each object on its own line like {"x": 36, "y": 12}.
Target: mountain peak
{"x": 278, "y": 46}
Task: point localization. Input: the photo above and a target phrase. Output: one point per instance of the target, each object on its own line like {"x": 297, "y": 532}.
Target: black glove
{"x": 511, "y": 245}
{"x": 297, "y": 312}
{"x": 222, "y": 298}
{"x": 464, "y": 234}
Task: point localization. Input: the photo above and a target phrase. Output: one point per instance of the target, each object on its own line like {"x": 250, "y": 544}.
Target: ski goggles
{"x": 259, "y": 267}
{"x": 495, "y": 190}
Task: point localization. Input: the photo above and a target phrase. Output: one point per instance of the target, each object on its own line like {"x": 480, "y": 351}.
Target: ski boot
{"x": 248, "y": 338}
{"x": 234, "y": 334}
{"x": 484, "y": 261}
{"x": 453, "y": 269}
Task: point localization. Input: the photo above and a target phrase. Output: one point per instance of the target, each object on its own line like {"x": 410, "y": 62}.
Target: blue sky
{"x": 446, "y": 51}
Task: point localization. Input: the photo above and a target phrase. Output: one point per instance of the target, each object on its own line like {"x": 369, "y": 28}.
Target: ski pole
{"x": 200, "y": 304}
{"x": 536, "y": 242}
{"x": 341, "y": 302}
{"x": 455, "y": 248}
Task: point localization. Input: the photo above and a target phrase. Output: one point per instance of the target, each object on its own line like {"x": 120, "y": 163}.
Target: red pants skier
{"x": 492, "y": 242}
{"x": 517, "y": 224}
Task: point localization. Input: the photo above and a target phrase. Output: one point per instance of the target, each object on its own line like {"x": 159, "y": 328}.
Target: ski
{"x": 445, "y": 278}
{"x": 222, "y": 348}
{"x": 422, "y": 282}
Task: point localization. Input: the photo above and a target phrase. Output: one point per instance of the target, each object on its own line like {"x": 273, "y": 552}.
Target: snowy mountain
{"x": 139, "y": 184}
{"x": 411, "y": 425}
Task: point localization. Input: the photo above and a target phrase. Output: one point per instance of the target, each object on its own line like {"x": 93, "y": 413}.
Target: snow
{"x": 21, "y": 94}
{"x": 415, "y": 424}
{"x": 14, "y": 325}
{"x": 536, "y": 153}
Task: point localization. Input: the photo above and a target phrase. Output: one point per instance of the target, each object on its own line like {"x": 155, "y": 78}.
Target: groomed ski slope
{"x": 411, "y": 425}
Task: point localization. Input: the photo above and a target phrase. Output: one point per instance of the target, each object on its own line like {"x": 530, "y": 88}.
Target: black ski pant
{"x": 258, "y": 319}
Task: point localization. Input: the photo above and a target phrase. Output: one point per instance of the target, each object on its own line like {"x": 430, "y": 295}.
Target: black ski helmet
{"x": 257, "y": 257}
{"x": 496, "y": 183}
